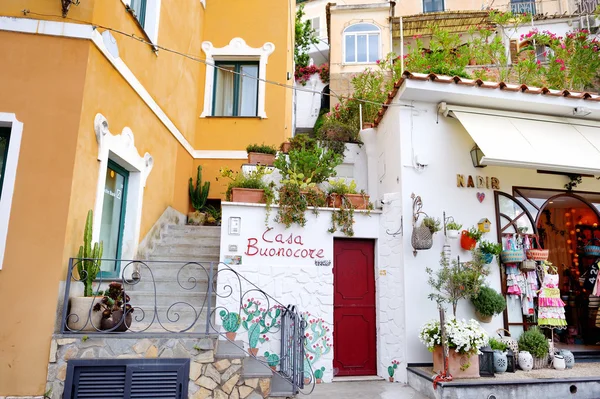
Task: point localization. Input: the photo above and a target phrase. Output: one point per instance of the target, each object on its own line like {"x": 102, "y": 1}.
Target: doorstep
{"x": 358, "y": 378}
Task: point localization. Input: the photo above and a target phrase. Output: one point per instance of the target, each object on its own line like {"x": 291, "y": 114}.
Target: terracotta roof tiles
{"x": 481, "y": 84}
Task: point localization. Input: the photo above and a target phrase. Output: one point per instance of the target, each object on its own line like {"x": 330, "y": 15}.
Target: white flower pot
{"x": 559, "y": 362}
{"x": 525, "y": 361}
{"x": 81, "y": 316}
{"x": 452, "y": 234}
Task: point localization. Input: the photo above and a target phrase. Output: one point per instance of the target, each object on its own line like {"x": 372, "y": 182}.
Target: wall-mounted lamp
{"x": 476, "y": 156}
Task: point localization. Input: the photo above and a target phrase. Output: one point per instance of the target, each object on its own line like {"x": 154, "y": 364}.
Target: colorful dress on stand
{"x": 551, "y": 312}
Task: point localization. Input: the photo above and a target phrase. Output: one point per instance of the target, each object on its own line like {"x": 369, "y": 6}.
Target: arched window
{"x": 361, "y": 43}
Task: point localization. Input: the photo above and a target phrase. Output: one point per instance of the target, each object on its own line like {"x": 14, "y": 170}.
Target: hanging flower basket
{"x": 422, "y": 238}
{"x": 467, "y": 242}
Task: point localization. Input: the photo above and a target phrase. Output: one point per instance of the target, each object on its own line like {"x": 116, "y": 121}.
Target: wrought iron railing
{"x": 523, "y": 7}
{"x": 585, "y": 7}
{"x": 166, "y": 297}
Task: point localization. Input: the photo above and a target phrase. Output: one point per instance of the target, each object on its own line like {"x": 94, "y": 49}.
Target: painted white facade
{"x": 308, "y": 101}
{"x": 412, "y": 133}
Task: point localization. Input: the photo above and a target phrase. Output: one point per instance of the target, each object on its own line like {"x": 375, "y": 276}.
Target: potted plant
{"x": 115, "y": 309}
{"x": 452, "y": 229}
{"x": 261, "y": 154}
{"x": 469, "y": 238}
{"x": 213, "y": 216}
{"x": 488, "y": 303}
{"x": 534, "y": 342}
{"x": 80, "y": 316}
{"x": 464, "y": 339}
{"x": 489, "y": 250}
{"x": 500, "y": 359}
{"x": 248, "y": 187}
{"x": 272, "y": 360}
{"x": 231, "y": 323}
{"x": 456, "y": 280}
{"x": 296, "y": 194}
{"x": 198, "y": 195}
{"x": 433, "y": 224}
{"x": 392, "y": 370}
{"x": 340, "y": 191}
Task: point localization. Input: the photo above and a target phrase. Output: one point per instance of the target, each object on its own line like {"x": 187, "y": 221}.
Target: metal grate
{"x": 127, "y": 379}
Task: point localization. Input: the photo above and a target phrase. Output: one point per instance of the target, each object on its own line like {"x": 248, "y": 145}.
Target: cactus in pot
{"x": 231, "y": 323}
{"x": 272, "y": 359}
{"x": 88, "y": 258}
{"x": 198, "y": 195}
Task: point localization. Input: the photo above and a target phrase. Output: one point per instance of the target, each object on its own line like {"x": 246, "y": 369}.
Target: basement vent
{"x": 127, "y": 379}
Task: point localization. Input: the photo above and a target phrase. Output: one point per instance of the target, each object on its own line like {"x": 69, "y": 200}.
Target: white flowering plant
{"x": 466, "y": 337}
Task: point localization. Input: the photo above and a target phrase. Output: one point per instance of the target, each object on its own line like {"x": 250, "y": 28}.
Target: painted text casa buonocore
{"x": 287, "y": 249}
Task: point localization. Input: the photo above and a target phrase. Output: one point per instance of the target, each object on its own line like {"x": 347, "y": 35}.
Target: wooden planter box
{"x": 258, "y": 158}
{"x": 455, "y": 362}
{"x": 250, "y": 195}
{"x": 357, "y": 200}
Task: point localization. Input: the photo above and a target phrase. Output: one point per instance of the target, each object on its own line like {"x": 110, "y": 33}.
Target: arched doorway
{"x": 566, "y": 223}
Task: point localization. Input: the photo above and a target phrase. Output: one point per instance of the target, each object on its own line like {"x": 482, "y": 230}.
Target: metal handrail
{"x": 132, "y": 319}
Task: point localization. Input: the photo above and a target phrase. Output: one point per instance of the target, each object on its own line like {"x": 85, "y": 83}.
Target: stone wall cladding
{"x": 209, "y": 378}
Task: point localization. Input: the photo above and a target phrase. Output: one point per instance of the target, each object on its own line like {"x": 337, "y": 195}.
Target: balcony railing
{"x": 167, "y": 297}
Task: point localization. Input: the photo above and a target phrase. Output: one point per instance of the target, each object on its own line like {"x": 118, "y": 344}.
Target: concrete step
{"x": 170, "y": 239}
{"x": 180, "y": 271}
{"x": 198, "y": 250}
{"x": 281, "y": 387}
{"x": 193, "y": 231}
{"x": 229, "y": 350}
{"x": 164, "y": 298}
{"x": 256, "y": 368}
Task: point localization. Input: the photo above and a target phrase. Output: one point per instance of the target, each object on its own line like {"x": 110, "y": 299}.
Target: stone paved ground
{"x": 363, "y": 390}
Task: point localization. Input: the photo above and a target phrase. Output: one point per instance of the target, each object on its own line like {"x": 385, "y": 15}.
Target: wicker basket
{"x": 422, "y": 238}
{"x": 540, "y": 362}
{"x": 592, "y": 250}
{"x": 509, "y": 341}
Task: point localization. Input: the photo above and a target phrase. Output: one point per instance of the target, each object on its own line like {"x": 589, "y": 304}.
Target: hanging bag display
{"x": 511, "y": 254}
{"x": 422, "y": 238}
{"x": 537, "y": 254}
{"x": 528, "y": 264}
{"x": 591, "y": 249}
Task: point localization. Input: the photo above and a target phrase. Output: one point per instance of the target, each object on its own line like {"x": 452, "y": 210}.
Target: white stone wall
{"x": 308, "y": 101}
{"x": 290, "y": 280}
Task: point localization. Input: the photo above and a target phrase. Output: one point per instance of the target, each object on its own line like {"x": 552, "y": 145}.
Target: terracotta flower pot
{"x": 230, "y": 335}
{"x": 286, "y": 147}
{"x": 358, "y": 201}
{"x": 391, "y": 379}
{"x": 250, "y": 195}
{"x": 253, "y": 351}
{"x": 116, "y": 319}
{"x": 274, "y": 368}
{"x": 306, "y": 380}
{"x": 319, "y": 381}
{"x": 81, "y": 316}
{"x": 456, "y": 363}
{"x": 467, "y": 243}
{"x": 258, "y": 158}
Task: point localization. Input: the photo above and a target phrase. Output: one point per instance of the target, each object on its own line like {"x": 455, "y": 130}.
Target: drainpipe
{"x": 401, "y": 47}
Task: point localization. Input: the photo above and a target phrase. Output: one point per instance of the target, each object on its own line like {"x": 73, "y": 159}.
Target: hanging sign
{"x": 478, "y": 182}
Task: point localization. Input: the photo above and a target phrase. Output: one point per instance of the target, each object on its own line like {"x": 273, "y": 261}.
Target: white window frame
{"x": 317, "y": 31}
{"x": 152, "y": 18}
{"x": 236, "y": 50}
{"x": 10, "y": 174}
{"x": 121, "y": 150}
{"x": 356, "y": 34}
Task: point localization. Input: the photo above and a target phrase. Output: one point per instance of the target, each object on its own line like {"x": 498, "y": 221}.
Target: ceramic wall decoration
{"x": 525, "y": 361}
{"x": 500, "y": 362}
{"x": 569, "y": 358}
{"x": 559, "y": 362}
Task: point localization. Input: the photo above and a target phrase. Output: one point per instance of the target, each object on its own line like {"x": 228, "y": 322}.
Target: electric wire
{"x": 203, "y": 61}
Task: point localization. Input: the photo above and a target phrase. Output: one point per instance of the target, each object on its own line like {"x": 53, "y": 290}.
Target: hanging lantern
{"x": 510, "y": 360}
{"x": 476, "y": 156}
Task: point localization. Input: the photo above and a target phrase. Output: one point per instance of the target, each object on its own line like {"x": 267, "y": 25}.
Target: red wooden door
{"x": 354, "y": 308}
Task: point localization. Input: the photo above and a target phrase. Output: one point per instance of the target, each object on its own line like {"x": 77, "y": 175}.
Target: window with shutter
{"x": 127, "y": 379}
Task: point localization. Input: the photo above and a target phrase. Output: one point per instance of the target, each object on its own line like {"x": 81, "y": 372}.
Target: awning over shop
{"x": 532, "y": 141}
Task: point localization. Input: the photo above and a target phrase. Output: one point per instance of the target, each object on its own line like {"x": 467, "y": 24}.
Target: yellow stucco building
{"x": 119, "y": 92}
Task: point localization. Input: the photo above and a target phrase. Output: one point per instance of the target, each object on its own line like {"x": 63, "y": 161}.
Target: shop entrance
{"x": 354, "y": 343}
{"x": 567, "y": 224}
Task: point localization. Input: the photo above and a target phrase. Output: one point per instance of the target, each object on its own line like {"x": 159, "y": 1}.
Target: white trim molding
{"x": 152, "y": 18}
{"x": 10, "y": 174}
{"x": 236, "y": 50}
{"x": 121, "y": 150}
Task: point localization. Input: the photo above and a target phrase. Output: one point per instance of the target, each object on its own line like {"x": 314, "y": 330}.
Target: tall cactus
{"x": 199, "y": 194}
{"x": 88, "y": 263}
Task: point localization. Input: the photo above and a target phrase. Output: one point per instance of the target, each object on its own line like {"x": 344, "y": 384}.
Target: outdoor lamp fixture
{"x": 486, "y": 362}
{"x": 476, "y": 155}
{"x": 511, "y": 361}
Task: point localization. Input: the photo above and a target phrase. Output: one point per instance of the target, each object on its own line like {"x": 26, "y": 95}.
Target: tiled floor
{"x": 364, "y": 390}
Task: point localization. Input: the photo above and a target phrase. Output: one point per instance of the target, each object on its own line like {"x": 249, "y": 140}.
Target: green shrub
{"x": 302, "y": 141}
{"x": 488, "y": 302}
{"x": 534, "y": 342}
{"x": 433, "y": 224}
{"x": 340, "y": 187}
{"x": 453, "y": 226}
{"x": 497, "y": 345}
{"x": 491, "y": 248}
{"x": 262, "y": 149}
{"x": 314, "y": 163}
{"x": 474, "y": 233}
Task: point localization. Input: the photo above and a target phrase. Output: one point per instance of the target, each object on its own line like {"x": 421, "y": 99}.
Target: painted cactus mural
{"x": 317, "y": 343}
{"x": 392, "y": 369}
{"x": 259, "y": 321}
{"x": 231, "y": 323}
{"x": 272, "y": 359}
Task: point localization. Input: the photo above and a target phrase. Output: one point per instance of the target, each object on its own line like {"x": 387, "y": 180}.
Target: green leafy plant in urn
{"x": 198, "y": 195}
{"x": 81, "y": 316}
{"x": 231, "y": 323}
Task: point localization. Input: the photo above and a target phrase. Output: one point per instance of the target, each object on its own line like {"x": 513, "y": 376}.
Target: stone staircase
{"x": 179, "y": 291}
